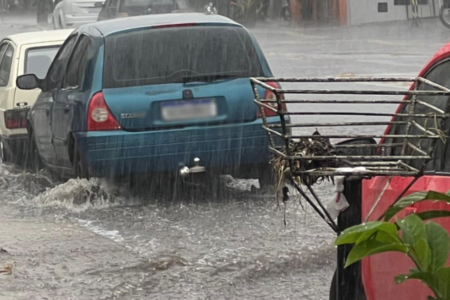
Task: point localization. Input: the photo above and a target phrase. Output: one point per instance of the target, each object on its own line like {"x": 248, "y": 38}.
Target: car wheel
{"x": 33, "y": 160}
{"x": 266, "y": 178}
{"x": 80, "y": 167}
{"x": 4, "y": 157}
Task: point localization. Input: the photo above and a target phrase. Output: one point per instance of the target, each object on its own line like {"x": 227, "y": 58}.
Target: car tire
{"x": 4, "y": 156}
{"x": 80, "y": 167}
{"x": 266, "y": 177}
{"x": 33, "y": 160}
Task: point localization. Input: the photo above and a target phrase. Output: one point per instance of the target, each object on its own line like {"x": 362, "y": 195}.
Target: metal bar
{"x": 261, "y": 111}
{"x": 408, "y": 126}
{"x": 332, "y": 157}
{"x": 431, "y": 106}
{"x": 279, "y": 153}
{"x": 321, "y": 206}
{"x": 430, "y": 83}
{"x": 367, "y": 173}
{"x": 263, "y": 84}
{"x": 266, "y": 106}
{"x": 334, "y": 113}
{"x": 336, "y": 79}
{"x": 303, "y": 194}
{"x": 272, "y": 131}
{"x": 416, "y": 148}
{"x": 295, "y": 125}
{"x": 369, "y": 145}
{"x": 361, "y": 92}
{"x": 288, "y": 101}
{"x": 350, "y": 136}
{"x": 420, "y": 127}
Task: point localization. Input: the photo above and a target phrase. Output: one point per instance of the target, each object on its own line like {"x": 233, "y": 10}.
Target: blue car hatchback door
{"x": 152, "y": 94}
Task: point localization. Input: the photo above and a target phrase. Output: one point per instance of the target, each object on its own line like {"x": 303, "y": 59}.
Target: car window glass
{"x": 76, "y": 67}
{"x": 439, "y": 75}
{"x": 5, "y": 66}
{"x": 170, "y": 55}
{"x": 56, "y": 72}
{"x": 38, "y": 60}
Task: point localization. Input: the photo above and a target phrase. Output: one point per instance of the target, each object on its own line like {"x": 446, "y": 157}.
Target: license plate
{"x": 188, "y": 109}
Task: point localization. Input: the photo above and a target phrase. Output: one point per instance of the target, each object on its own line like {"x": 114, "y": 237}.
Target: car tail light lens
{"x": 99, "y": 116}
{"x": 16, "y": 118}
{"x": 271, "y": 96}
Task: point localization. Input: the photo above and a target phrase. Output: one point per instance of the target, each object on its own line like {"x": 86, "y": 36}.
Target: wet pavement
{"x": 94, "y": 240}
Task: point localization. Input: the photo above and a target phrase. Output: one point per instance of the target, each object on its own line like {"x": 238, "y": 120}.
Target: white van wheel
{"x": 3, "y": 154}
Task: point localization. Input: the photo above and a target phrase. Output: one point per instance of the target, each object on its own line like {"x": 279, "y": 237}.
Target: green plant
{"x": 427, "y": 244}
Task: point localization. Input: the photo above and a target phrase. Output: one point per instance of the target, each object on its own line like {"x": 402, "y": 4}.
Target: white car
{"x": 23, "y": 53}
{"x": 73, "y": 13}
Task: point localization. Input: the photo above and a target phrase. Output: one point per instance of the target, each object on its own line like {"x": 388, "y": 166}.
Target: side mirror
{"x": 98, "y": 4}
{"x": 28, "y": 82}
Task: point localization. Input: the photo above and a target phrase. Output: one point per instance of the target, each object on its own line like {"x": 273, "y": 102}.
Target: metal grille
{"x": 400, "y": 153}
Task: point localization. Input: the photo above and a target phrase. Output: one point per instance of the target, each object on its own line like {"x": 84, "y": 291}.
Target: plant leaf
{"x": 423, "y": 253}
{"x": 370, "y": 247}
{"x": 412, "y": 199}
{"x": 439, "y": 243}
{"x": 443, "y": 276}
{"x": 426, "y": 277}
{"x": 351, "y": 235}
{"x": 412, "y": 228}
{"x": 433, "y": 214}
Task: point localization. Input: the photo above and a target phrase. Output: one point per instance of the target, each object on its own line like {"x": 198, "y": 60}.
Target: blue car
{"x": 152, "y": 94}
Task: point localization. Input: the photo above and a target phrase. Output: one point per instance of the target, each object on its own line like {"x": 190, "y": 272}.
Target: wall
{"x": 366, "y": 11}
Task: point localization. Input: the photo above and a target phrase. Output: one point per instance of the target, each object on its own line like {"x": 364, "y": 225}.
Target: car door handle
{"x": 47, "y": 110}
{"x": 67, "y": 108}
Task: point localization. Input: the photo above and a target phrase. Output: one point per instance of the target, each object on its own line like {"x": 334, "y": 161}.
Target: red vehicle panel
{"x": 379, "y": 271}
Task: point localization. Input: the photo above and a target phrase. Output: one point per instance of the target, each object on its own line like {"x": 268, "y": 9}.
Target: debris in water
{"x": 7, "y": 270}
{"x": 317, "y": 146}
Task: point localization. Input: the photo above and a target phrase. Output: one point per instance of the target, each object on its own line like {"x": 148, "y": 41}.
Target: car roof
{"x": 40, "y": 36}
{"x": 441, "y": 54}
{"x": 116, "y": 25}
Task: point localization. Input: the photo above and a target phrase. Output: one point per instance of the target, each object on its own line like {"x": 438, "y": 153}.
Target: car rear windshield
{"x": 38, "y": 60}
{"x": 169, "y": 55}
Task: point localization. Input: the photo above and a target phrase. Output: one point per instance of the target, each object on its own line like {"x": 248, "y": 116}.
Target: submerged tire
{"x": 33, "y": 160}
{"x": 80, "y": 168}
{"x": 4, "y": 157}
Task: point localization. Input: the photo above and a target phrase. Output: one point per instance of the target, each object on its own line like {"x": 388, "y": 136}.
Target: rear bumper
{"x": 218, "y": 147}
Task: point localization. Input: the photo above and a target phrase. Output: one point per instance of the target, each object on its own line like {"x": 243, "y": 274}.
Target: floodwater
{"x": 95, "y": 240}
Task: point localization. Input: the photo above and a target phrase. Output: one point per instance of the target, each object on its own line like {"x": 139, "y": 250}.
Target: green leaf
{"x": 370, "y": 247}
{"x": 443, "y": 276}
{"x": 433, "y": 214}
{"x": 422, "y": 253}
{"x": 431, "y": 298}
{"x": 412, "y": 228}
{"x": 426, "y": 277}
{"x": 351, "y": 235}
{"x": 415, "y": 198}
{"x": 439, "y": 243}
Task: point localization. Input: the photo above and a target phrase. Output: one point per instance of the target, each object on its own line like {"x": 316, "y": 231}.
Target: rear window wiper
{"x": 209, "y": 77}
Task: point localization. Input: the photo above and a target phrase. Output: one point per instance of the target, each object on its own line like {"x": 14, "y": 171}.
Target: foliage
{"x": 427, "y": 244}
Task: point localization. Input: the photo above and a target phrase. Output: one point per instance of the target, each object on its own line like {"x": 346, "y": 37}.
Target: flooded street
{"x": 94, "y": 240}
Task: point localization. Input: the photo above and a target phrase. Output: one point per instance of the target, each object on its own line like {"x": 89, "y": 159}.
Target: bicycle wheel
{"x": 444, "y": 15}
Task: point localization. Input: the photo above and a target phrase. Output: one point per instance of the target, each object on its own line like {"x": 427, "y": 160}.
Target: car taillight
{"x": 99, "y": 116}
{"x": 271, "y": 96}
{"x": 16, "y": 118}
